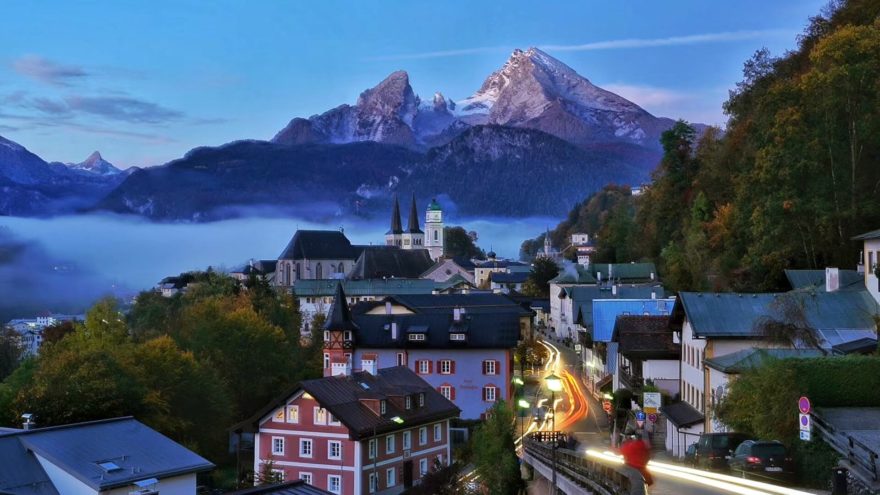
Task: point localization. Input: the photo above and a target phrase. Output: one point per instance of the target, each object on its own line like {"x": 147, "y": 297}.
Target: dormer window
{"x": 347, "y": 335}
{"x": 421, "y": 399}
{"x": 326, "y": 336}
{"x": 408, "y": 402}
{"x": 417, "y": 337}
{"x": 457, "y": 337}
{"x": 383, "y": 406}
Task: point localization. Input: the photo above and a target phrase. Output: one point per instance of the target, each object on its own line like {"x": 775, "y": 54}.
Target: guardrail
{"x": 590, "y": 473}
{"x": 857, "y": 453}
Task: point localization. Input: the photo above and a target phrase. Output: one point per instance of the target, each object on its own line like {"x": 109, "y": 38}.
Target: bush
{"x": 813, "y": 463}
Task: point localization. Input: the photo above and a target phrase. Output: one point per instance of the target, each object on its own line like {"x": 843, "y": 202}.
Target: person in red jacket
{"x": 636, "y": 455}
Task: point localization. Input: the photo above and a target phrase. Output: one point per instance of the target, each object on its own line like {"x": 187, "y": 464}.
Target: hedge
{"x": 852, "y": 381}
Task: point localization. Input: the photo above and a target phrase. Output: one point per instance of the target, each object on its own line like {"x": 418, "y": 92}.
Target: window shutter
{"x": 452, "y": 367}
{"x": 430, "y": 367}
{"x": 484, "y": 367}
{"x": 497, "y": 367}
{"x": 451, "y": 393}
{"x": 484, "y": 393}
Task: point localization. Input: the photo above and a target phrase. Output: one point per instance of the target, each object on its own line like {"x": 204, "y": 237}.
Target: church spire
{"x": 339, "y": 318}
{"x": 396, "y": 225}
{"x": 414, "y": 218}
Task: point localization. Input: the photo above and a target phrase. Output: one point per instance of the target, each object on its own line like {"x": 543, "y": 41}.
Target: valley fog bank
{"x": 119, "y": 254}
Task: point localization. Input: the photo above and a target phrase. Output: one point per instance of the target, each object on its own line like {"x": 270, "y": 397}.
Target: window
{"x": 421, "y": 399}
{"x": 489, "y": 367}
{"x": 346, "y": 335}
{"x": 334, "y": 449}
{"x": 334, "y": 483}
{"x": 407, "y": 440}
{"x": 374, "y": 483}
{"x": 372, "y": 449}
{"x": 456, "y": 336}
{"x": 401, "y": 359}
{"x": 307, "y": 477}
{"x": 424, "y": 367}
{"x": 326, "y": 336}
{"x": 320, "y": 416}
{"x": 489, "y": 393}
{"x": 305, "y": 447}
{"x": 389, "y": 444}
{"x": 278, "y": 474}
{"x": 332, "y": 421}
{"x": 326, "y": 361}
{"x": 319, "y": 272}
{"x": 390, "y": 477}
{"x": 293, "y": 414}
{"x": 423, "y": 435}
{"x": 436, "y": 233}
{"x": 423, "y": 466}
{"x": 438, "y": 432}
{"x": 445, "y": 366}
{"x": 420, "y": 337}
{"x": 382, "y": 406}
{"x": 277, "y": 445}
{"x": 341, "y": 268}
{"x": 446, "y": 391}
{"x": 408, "y": 402}
{"x": 298, "y": 275}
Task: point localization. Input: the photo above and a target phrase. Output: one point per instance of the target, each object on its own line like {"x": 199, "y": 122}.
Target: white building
{"x": 871, "y": 261}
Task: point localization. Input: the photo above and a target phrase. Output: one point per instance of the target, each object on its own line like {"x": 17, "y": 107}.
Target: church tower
{"x": 548, "y": 247}
{"x": 339, "y": 333}
{"x": 394, "y": 236}
{"x": 413, "y": 238}
{"x": 434, "y": 230}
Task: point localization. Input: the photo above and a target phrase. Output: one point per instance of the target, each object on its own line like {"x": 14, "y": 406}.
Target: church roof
{"x": 414, "y": 218}
{"x": 396, "y": 225}
{"x": 339, "y": 318}
{"x": 318, "y": 245}
{"x": 390, "y": 261}
{"x": 434, "y": 206}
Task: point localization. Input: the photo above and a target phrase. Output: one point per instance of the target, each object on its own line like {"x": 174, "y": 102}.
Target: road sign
{"x": 652, "y": 401}
{"x": 640, "y": 416}
{"x": 804, "y": 422}
{"x": 606, "y": 406}
{"x": 652, "y": 418}
{"x": 805, "y": 436}
{"x": 577, "y": 348}
{"x": 804, "y": 405}
{"x": 640, "y": 423}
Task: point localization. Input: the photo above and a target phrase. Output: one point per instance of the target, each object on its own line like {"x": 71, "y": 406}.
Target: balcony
{"x": 631, "y": 380}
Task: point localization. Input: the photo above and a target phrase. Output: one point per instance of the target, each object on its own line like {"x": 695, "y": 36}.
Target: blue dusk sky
{"x": 143, "y": 82}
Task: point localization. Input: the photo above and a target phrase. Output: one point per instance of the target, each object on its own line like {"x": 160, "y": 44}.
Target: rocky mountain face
{"x": 95, "y": 164}
{"x": 29, "y": 186}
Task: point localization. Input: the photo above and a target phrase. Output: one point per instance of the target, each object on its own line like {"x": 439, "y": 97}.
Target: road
{"x": 577, "y": 413}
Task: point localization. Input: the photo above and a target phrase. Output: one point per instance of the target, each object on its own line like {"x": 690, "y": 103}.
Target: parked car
{"x": 761, "y": 459}
{"x": 689, "y": 454}
{"x": 715, "y": 449}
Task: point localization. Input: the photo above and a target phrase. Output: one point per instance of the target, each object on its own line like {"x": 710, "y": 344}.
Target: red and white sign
{"x": 804, "y": 405}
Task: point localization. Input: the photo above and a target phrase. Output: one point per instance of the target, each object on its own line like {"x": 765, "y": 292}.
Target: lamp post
{"x": 524, "y": 405}
{"x": 554, "y": 384}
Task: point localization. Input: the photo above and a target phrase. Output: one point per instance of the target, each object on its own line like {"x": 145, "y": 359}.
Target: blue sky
{"x": 143, "y": 82}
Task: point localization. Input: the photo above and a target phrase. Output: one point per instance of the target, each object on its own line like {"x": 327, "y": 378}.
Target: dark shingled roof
{"x": 865, "y": 345}
{"x": 874, "y": 234}
{"x": 390, "y": 261}
{"x": 625, "y": 272}
{"x": 682, "y": 414}
{"x": 414, "y": 218}
{"x": 319, "y": 245}
{"x": 77, "y": 448}
{"x": 463, "y": 262}
{"x": 342, "y": 395}
{"x": 645, "y": 337}
{"x": 499, "y": 264}
{"x": 508, "y": 278}
{"x": 815, "y": 279}
{"x": 298, "y": 487}
{"x": 396, "y": 224}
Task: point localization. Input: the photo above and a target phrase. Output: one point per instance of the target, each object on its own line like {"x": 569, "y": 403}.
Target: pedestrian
{"x": 636, "y": 455}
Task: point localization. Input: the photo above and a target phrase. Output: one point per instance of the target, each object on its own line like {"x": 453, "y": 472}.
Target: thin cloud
{"x": 47, "y": 71}
{"x": 693, "y": 39}
{"x": 123, "y": 108}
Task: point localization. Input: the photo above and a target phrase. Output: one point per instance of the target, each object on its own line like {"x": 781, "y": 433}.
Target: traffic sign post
{"x": 640, "y": 418}
{"x": 652, "y": 401}
{"x": 652, "y": 417}
{"x": 804, "y": 405}
{"x": 606, "y": 406}
{"x": 805, "y": 425}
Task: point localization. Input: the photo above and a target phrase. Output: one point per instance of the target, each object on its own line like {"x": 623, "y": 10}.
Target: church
{"x": 413, "y": 237}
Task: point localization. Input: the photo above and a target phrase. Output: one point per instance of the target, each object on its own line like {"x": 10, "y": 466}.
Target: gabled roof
{"x": 479, "y": 302}
{"x": 625, "y": 272}
{"x": 298, "y": 487}
{"x": 508, "y": 278}
{"x": 874, "y": 234}
{"x": 499, "y": 264}
{"x": 746, "y": 359}
{"x": 319, "y": 245}
{"x": 645, "y": 337}
{"x": 78, "y": 448}
{"x": 390, "y": 261}
{"x": 342, "y": 395}
{"x": 815, "y": 279}
{"x": 574, "y": 274}
{"x": 583, "y": 296}
{"x": 606, "y": 312}
{"x": 682, "y": 414}
{"x": 453, "y": 281}
{"x": 839, "y": 316}
{"x": 369, "y": 287}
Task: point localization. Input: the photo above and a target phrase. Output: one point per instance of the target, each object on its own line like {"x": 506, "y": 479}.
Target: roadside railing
{"x": 857, "y": 453}
{"x": 588, "y": 472}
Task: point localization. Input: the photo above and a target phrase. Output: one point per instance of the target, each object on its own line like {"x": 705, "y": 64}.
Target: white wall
{"x": 872, "y": 246}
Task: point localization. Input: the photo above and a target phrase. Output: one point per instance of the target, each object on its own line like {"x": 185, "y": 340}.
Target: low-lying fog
{"x": 63, "y": 264}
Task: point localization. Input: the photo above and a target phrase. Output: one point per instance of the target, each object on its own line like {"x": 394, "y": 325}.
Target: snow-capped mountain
{"x": 95, "y": 164}
{"x": 532, "y": 90}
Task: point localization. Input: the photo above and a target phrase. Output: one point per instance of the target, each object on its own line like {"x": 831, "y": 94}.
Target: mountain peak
{"x": 95, "y": 164}
{"x": 93, "y": 158}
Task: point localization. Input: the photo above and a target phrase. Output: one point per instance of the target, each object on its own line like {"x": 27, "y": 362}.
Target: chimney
{"x": 614, "y": 290}
{"x": 456, "y": 315}
{"x": 393, "y": 331}
{"x": 28, "y": 424}
{"x": 653, "y": 295}
{"x": 598, "y": 276}
{"x": 652, "y": 275}
{"x": 387, "y": 307}
{"x": 832, "y": 279}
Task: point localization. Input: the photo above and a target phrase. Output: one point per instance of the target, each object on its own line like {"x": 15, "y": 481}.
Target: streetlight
{"x": 554, "y": 384}
{"x": 523, "y": 404}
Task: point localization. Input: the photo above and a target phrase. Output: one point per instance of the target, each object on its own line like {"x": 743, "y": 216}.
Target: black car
{"x": 762, "y": 460}
{"x": 714, "y": 449}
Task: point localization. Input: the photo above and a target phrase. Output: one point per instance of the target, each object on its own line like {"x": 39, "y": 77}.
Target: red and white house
{"x": 357, "y": 434}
